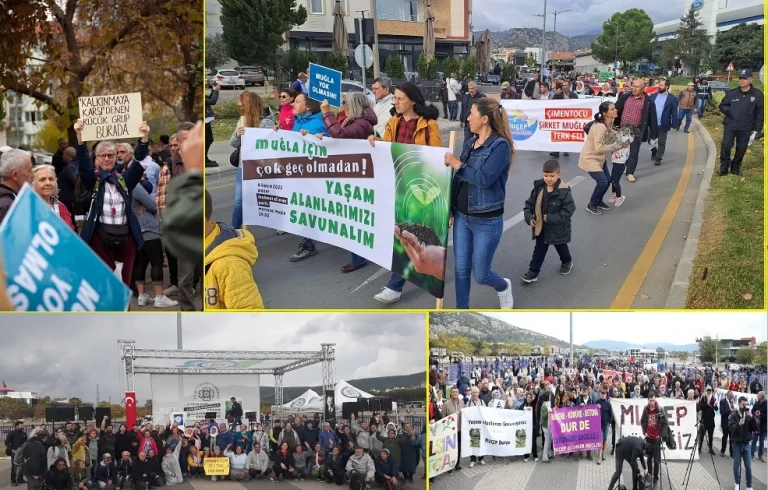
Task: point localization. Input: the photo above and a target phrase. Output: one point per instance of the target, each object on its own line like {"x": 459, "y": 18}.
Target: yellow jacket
{"x": 421, "y": 136}
{"x": 229, "y": 258}
{"x": 80, "y": 451}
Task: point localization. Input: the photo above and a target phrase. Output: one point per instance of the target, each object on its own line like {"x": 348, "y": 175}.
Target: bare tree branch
{"x": 37, "y": 95}
{"x": 104, "y": 48}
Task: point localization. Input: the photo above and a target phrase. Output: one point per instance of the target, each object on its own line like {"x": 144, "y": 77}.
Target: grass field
{"x": 728, "y": 271}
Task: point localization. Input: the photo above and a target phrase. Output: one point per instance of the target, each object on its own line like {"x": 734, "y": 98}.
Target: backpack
{"x": 18, "y": 458}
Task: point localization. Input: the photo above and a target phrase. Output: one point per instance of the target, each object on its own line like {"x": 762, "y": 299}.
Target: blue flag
{"x": 49, "y": 267}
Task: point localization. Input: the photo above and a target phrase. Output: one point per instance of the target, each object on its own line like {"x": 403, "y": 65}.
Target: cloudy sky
{"x": 642, "y": 328}
{"x": 68, "y": 355}
{"x": 585, "y": 15}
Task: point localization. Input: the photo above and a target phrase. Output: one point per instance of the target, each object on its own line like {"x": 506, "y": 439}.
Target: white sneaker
{"x": 472, "y": 464}
{"x": 482, "y": 462}
{"x": 619, "y": 201}
{"x": 143, "y": 299}
{"x": 535, "y": 460}
{"x": 165, "y": 302}
{"x": 612, "y": 199}
{"x": 506, "y": 300}
{"x": 388, "y": 296}
{"x": 171, "y": 291}
{"x": 631, "y": 177}
{"x": 737, "y": 486}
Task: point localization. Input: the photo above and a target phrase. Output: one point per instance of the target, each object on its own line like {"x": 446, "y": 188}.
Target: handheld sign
{"x": 216, "y": 466}
{"x": 49, "y": 267}
{"x": 324, "y": 83}
{"x": 108, "y": 117}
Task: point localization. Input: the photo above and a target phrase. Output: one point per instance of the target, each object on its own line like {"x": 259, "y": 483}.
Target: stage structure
{"x": 299, "y": 359}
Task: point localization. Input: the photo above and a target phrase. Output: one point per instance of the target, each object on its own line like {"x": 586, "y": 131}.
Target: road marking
{"x": 634, "y": 281}
{"x": 508, "y": 224}
{"x": 215, "y": 187}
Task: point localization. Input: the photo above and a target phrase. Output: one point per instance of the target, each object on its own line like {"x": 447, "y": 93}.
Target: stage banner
{"x": 681, "y": 415}
{"x": 216, "y": 466}
{"x": 721, "y": 395}
{"x": 576, "y": 429}
{"x": 494, "y": 432}
{"x": 550, "y": 125}
{"x": 389, "y": 203}
{"x": 330, "y": 407}
{"x": 443, "y": 445}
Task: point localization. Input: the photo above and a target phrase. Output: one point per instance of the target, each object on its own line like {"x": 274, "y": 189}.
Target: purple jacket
{"x": 358, "y": 129}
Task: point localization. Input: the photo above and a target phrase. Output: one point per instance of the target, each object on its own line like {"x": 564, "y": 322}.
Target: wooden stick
{"x": 451, "y": 145}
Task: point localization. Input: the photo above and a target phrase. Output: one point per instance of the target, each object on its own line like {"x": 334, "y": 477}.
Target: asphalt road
{"x": 625, "y": 258}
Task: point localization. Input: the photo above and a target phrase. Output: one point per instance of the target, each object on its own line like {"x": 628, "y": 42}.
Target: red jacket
{"x": 65, "y": 215}
{"x": 286, "y": 117}
{"x": 359, "y": 128}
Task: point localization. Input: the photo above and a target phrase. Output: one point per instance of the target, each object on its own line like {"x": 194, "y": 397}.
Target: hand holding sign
{"x": 426, "y": 259}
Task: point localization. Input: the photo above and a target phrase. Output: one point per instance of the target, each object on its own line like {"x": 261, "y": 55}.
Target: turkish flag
{"x": 130, "y": 408}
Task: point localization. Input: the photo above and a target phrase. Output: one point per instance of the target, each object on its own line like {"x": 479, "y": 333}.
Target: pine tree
{"x": 692, "y": 44}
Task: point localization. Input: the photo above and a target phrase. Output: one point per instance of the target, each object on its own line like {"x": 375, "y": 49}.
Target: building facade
{"x": 716, "y": 16}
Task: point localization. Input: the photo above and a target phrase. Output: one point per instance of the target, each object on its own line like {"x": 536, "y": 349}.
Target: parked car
{"x": 253, "y": 75}
{"x": 227, "y": 78}
{"x": 348, "y": 86}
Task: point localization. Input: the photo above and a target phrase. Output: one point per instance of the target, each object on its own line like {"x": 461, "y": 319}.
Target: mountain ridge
{"x": 618, "y": 345}
{"x": 524, "y": 37}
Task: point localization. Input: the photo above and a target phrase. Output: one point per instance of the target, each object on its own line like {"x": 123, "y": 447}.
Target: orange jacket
{"x": 420, "y": 136}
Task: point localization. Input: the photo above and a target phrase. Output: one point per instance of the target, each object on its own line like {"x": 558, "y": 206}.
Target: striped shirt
{"x": 113, "y": 211}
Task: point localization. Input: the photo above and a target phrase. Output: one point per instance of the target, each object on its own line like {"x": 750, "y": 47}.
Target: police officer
{"x": 743, "y": 109}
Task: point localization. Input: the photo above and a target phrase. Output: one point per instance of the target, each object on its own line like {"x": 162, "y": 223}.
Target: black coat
{"x": 237, "y": 410}
{"x": 59, "y": 480}
{"x": 649, "y": 125}
{"x": 743, "y": 110}
{"x": 708, "y": 411}
{"x": 13, "y": 440}
{"x": 35, "y": 458}
{"x": 559, "y": 207}
{"x": 741, "y": 433}
{"x": 141, "y": 468}
{"x": 725, "y": 412}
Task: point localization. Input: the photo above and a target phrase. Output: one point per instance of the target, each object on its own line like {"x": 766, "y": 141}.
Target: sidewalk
{"x": 220, "y": 151}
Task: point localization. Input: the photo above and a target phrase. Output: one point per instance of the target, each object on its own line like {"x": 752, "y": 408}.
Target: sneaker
{"x": 657, "y": 162}
{"x": 566, "y": 268}
{"x": 482, "y": 462}
{"x": 143, "y": 299}
{"x": 506, "y": 300}
{"x": 535, "y": 460}
{"x": 631, "y": 177}
{"x": 472, "y": 464}
{"x": 165, "y": 302}
{"x": 711, "y": 451}
{"x": 566, "y": 154}
{"x": 281, "y": 233}
{"x": 736, "y": 487}
{"x": 599, "y": 461}
{"x": 388, "y": 296}
{"x": 171, "y": 291}
{"x": 612, "y": 199}
{"x": 619, "y": 201}
{"x": 530, "y": 277}
{"x": 613, "y": 451}
{"x": 602, "y": 206}
{"x": 602, "y": 457}
{"x": 525, "y": 460}
{"x": 554, "y": 154}
{"x": 303, "y": 253}
{"x": 593, "y": 209}
{"x": 14, "y": 484}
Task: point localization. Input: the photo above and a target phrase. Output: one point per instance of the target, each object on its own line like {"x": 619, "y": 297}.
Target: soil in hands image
{"x": 424, "y": 234}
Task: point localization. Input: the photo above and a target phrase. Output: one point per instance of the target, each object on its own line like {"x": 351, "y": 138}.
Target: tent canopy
{"x": 309, "y": 401}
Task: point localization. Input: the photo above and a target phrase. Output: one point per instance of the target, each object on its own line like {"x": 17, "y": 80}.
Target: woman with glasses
{"x": 287, "y": 97}
{"x": 46, "y": 186}
{"x": 110, "y": 228}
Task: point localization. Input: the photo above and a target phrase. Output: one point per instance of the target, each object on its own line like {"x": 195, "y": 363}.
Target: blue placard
{"x": 324, "y": 84}
{"x": 49, "y": 267}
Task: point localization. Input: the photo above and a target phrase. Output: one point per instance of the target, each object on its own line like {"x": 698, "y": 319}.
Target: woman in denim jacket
{"x": 477, "y": 205}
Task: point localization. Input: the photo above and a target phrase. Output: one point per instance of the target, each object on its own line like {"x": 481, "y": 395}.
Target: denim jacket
{"x": 486, "y": 171}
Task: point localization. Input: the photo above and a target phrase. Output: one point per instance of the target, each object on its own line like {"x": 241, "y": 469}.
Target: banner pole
{"x": 451, "y": 145}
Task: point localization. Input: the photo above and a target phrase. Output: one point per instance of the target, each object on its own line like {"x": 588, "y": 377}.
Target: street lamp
{"x": 616, "y": 34}
{"x": 556, "y": 13}
{"x": 543, "y": 36}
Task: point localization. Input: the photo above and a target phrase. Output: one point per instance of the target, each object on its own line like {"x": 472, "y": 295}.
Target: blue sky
{"x": 585, "y": 15}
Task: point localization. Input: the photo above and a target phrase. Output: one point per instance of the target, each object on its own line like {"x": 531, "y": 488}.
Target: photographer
{"x": 707, "y": 407}
{"x": 741, "y": 424}
{"x": 654, "y": 423}
{"x": 631, "y": 449}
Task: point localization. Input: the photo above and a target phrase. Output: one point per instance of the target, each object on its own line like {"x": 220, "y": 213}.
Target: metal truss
{"x": 329, "y": 367}
{"x": 192, "y": 370}
{"x": 212, "y": 354}
{"x": 299, "y": 364}
{"x": 127, "y": 348}
{"x": 279, "y": 395}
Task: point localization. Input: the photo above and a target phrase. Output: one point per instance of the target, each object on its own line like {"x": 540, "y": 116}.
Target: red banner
{"x": 130, "y": 409}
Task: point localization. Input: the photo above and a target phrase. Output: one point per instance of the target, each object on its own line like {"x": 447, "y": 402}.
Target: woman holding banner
{"x": 251, "y": 111}
{"x": 477, "y": 201}
{"x": 356, "y": 120}
{"x": 46, "y": 186}
{"x": 110, "y": 228}
{"x": 413, "y": 122}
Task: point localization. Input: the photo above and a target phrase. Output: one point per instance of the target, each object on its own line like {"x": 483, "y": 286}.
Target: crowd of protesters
{"x": 541, "y": 384}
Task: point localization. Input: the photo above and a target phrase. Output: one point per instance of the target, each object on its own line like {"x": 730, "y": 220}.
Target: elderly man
{"x": 475, "y": 401}
{"x": 385, "y": 101}
{"x": 467, "y": 100}
{"x": 637, "y": 110}
{"x": 15, "y": 171}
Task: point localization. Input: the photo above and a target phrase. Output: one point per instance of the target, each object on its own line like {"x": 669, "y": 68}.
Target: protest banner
{"x": 216, "y": 466}
{"x": 354, "y": 196}
{"x": 681, "y": 415}
{"x": 720, "y": 395}
{"x": 108, "y": 117}
{"x": 178, "y": 418}
{"x": 490, "y": 431}
{"x": 550, "y": 125}
{"x": 608, "y": 375}
{"x": 576, "y": 429}
{"x": 324, "y": 84}
{"x": 443, "y": 445}
{"x": 49, "y": 267}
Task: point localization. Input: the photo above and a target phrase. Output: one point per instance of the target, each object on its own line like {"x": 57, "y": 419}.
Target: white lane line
{"x": 508, "y": 224}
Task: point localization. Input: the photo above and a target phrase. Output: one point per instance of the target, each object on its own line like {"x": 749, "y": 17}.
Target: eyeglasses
{"x": 106, "y": 155}
{"x": 283, "y": 96}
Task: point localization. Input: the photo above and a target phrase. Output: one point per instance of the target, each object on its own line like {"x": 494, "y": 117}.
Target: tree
{"x": 450, "y": 66}
{"x": 530, "y": 61}
{"x": 745, "y": 355}
{"x": 508, "y": 73}
{"x": 148, "y": 405}
{"x": 460, "y": 344}
{"x": 215, "y": 52}
{"x": 470, "y": 67}
{"x": 691, "y": 46}
{"x": 423, "y": 66}
{"x": 485, "y": 349}
{"x": 56, "y": 52}
{"x": 394, "y": 67}
{"x": 76, "y": 402}
{"x": 254, "y": 28}
{"x": 707, "y": 347}
{"x": 13, "y": 408}
{"x": 762, "y": 353}
{"x": 118, "y": 411}
{"x": 743, "y": 44}
{"x": 299, "y": 61}
{"x": 631, "y": 33}
{"x": 338, "y": 61}
{"x": 477, "y": 347}
{"x": 48, "y": 135}
{"x": 546, "y": 348}
{"x": 38, "y": 412}
{"x": 683, "y": 356}
{"x": 432, "y": 67}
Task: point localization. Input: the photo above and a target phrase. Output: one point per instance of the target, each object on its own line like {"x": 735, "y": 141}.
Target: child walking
{"x": 548, "y": 211}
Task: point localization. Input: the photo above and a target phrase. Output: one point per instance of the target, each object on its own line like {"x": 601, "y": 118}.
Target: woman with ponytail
{"x": 478, "y": 191}
{"x": 413, "y": 122}
{"x": 592, "y": 157}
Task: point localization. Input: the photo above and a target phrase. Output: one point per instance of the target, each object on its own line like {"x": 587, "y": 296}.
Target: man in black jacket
{"x": 631, "y": 449}
{"x": 741, "y": 424}
{"x": 726, "y": 408}
{"x": 35, "y": 460}
{"x": 636, "y": 109}
{"x": 470, "y": 97}
{"x": 743, "y": 109}
{"x": 141, "y": 472}
{"x": 236, "y": 412}
{"x": 13, "y": 442}
{"x": 707, "y": 407}
{"x": 760, "y": 412}
{"x": 755, "y": 387}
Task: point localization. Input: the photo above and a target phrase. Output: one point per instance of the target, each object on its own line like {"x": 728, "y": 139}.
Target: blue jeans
{"x": 603, "y": 180}
{"x": 758, "y": 440}
{"x": 474, "y": 242}
{"x": 396, "y": 283}
{"x": 453, "y": 108}
{"x": 688, "y": 113}
{"x": 356, "y": 259}
{"x": 237, "y": 212}
{"x": 700, "y": 103}
{"x": 741, "y": 451}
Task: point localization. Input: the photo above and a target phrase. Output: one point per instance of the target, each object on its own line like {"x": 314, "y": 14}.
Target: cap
{"x": 505, "y": 85}
{"x": 745, "y": 73}
{"x": 106, "y": 455}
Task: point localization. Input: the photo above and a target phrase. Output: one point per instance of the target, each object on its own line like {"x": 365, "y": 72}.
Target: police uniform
{"x": 743, "y": 117}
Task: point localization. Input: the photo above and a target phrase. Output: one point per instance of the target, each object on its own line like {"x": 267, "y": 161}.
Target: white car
{"x": 228, "y": 78}
{"x": 348, "y": 86}
{"x": 735, "y": 367}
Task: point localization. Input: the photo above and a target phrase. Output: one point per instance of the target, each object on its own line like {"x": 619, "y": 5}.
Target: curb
{"x": 226, "y": 170}
{"x": 678, "y": 293}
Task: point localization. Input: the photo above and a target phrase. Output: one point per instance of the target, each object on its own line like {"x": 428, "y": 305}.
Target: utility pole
{"x": 178, "y": 331}
{"x": 556, "y": 13}
{"x": 97, "y": 395}
{"x": 362, "y": 39}
{"x": 376, "y": 72}
{"x": 543, "y": 36}
{"x": 570, "y": 317}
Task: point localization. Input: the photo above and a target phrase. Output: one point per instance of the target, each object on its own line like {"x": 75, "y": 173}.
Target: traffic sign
{"x": 364, "y": 56}
{"x": 730, "y": 66}
{"x": 653, "y": 66}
